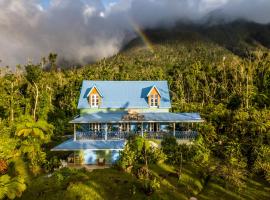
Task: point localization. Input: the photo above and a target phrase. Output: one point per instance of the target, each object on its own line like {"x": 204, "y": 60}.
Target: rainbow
{"x": 142, "y": 35}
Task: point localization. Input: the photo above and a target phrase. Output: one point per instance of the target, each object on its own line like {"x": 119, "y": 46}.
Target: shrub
{"x": 138, "y": 151}
{"x": 233, "y": 176}
{"x": 192, "y": 186}
{"x": 149, "y": 182}
{"x": 169, "y": 146}
{"x": 127, "y": 159}
{"x": 262, "y": 163}
{"x": 156, "y": 155}
{"x": 52, "y": 164}
{"x": 150, "y": 185}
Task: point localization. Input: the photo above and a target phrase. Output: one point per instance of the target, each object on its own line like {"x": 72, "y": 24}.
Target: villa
{"x": 111, "y": 111}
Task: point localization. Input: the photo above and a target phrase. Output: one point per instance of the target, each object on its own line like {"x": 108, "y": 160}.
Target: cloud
{"x": 85, "y": 30}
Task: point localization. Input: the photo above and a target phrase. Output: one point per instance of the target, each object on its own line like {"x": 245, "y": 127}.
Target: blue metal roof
{"x": 101, "y": 117}
{"x": 173, "y": 117}
{"x": 71, "y": 145}
{"x": 124, "y": 94}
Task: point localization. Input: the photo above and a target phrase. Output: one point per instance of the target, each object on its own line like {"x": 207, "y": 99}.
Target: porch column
{"x": 120, "y": 130}
{"x": 106, "y": 131}
{"x": 74, "y": 132}
{"x": 174, "y": 129}
{"x": 142, "y": 130}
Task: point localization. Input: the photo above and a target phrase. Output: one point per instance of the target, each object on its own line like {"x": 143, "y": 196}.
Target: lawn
{"x": 114, "y": 184}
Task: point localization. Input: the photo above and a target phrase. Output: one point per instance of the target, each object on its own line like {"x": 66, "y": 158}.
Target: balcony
{"x": 100, "y": 135}
{"x": 116, "y": 135}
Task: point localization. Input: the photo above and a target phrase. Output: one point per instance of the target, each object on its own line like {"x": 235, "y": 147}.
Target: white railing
{"x": 156, "y": 135}
{"x": 100, "y": 135}
{"x": 181, "y": 135}
{"x": 117, "y": 135}
{"x": 186, "y": 135}
{"x": 90, "y": 135}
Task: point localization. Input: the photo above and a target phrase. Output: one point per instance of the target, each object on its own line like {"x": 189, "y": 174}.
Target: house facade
{"x": 111, "y": 111}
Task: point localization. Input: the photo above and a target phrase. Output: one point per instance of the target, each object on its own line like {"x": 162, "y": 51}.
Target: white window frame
{"x": 94, "y": 127}
{"x": 154, "y": 100}
{"x": 94, "y": 100}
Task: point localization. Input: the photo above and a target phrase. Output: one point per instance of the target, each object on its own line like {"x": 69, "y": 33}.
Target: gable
{"x": 153, "y": 91}
{"x": 94, "y": 90}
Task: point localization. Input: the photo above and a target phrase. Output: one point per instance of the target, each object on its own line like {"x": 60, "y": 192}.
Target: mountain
{"x": 241, "y": 38}
{"x": 192, "y": 57}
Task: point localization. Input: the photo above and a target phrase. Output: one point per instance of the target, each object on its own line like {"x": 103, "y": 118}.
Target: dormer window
{"x": 154, "y": 100}
{"x": 153, "y": 97}
{"x": 94, "y": 100}
{"x": 94, "y": 97}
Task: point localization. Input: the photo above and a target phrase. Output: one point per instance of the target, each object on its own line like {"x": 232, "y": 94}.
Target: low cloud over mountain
{"x": 87, "y": 30}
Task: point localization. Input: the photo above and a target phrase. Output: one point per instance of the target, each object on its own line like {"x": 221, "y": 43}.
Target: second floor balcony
{"x": 117, "y": 135}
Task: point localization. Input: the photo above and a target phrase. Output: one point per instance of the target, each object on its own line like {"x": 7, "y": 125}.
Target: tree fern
{"x": 33, "y": 134}
{"x": 13, "y": 184}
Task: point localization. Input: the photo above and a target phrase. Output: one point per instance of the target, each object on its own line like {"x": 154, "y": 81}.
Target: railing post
{"x": 174, "y": 129}
{"x": 74, "y": 132}
{"x": 106, "y": 131}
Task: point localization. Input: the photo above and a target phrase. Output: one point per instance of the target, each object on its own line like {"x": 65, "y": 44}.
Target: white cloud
{"x": 85, "y": 30}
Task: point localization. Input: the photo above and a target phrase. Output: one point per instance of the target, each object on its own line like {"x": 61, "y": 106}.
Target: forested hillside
{"x": 221, "y": 71}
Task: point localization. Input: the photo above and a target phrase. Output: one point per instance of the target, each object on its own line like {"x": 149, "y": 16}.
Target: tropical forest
{"x": 220, "y": 71}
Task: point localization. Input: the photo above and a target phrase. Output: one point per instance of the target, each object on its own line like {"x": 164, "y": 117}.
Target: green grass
{"x": 81, "y": 184}
{"x": 255, "y": 188}
{"x": 114, "y": 184}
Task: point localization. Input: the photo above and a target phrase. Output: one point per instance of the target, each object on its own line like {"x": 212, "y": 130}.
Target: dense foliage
{"x": 135, "y": 159}
{"x": 206, "y": 73}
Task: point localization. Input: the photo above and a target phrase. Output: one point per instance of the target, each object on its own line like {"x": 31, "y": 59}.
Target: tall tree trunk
{"x": 247, "y": 96}
{"x": 36, "y": 101}
{"x": 180, "y": 166}
{"x": 146, "y": 161}
{"x": 11, "y": 103}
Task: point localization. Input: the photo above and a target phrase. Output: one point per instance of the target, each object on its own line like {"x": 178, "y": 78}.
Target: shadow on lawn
{"x": 254, "y": 189}
{"x": 169, "y": 180}
{"x": 258, "y": 188}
